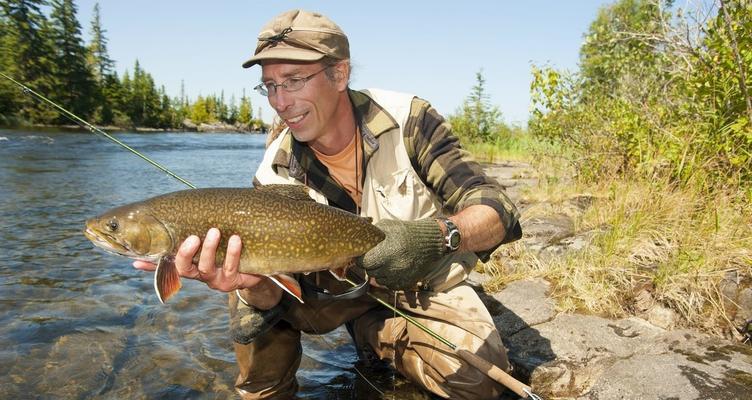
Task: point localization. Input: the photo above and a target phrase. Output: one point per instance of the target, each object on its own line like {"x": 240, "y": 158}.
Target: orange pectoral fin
{"x": 288, "y": 284}
{"x": 166, "y": 279}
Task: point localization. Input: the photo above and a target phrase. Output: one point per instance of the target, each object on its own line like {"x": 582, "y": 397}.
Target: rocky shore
{"x": 574, "y": 356}
{"x": 220, "y": 127}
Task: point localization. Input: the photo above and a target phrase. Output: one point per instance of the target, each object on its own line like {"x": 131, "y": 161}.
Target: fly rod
{"x": 84, "y": 124}
{"x": 491, "y": 370}
{"x": 482, "y": 365}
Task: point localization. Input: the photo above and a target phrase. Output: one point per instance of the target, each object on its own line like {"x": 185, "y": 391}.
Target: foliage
{"x": 676, "y": 250}
{"x": 28, "y": 53}
{"x": 657, "y": 95}
{"x": 477, "y": 121}
{"x": 48, "y": 55}
{"x": 98, "y": 58}
{"x": 71, "y": 66}
{"x": 660, "y": 109}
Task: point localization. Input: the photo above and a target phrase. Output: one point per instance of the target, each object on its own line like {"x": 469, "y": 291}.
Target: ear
{"x": 342, "y": 75}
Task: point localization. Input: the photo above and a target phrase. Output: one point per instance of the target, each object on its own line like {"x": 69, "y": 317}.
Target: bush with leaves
{"x": 657, "y": 95}
{"x": 477, "y": 121}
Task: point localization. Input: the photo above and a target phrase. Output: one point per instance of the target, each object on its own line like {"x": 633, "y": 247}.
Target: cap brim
{"x": 284, "y": 53}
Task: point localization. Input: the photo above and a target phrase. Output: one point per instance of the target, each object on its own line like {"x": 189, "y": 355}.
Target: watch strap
{"x": 451, "y": 232}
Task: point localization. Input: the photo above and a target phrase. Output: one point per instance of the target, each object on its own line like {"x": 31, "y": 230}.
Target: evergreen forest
{"x": 41, "y": 46}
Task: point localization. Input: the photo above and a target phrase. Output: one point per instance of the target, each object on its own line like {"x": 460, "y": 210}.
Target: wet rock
{"x": 566, "y": 356}
{"x": 588, "y": 357}
{"x": 82, "y": 364}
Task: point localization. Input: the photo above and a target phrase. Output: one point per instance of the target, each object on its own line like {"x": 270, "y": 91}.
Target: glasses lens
{"x": 261, "y": 89}
{"x": 294, "y": 84}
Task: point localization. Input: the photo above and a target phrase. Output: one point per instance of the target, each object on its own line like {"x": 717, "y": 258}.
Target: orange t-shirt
{"x": 342, "y": 167}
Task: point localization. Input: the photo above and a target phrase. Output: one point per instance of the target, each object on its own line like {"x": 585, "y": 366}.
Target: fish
{"x": 283, "y": 231}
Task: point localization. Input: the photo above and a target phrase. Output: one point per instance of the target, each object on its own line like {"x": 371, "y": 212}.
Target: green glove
{"x": 406, "y": 255}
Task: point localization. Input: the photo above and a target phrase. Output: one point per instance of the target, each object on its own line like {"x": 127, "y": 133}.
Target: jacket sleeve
{"x": 450, "y": 171}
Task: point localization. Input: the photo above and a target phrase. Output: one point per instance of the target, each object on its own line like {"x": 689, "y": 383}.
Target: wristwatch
{"x": 453, "y": 237}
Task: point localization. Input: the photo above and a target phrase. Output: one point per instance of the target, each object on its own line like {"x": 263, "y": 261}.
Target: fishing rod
{"x": 84, "y": 124}
{"x": 491, "y": 370}
{"x": 482, "y": 365}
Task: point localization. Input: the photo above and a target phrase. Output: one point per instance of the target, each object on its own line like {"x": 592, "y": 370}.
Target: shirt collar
{"x": 369, "y": 115}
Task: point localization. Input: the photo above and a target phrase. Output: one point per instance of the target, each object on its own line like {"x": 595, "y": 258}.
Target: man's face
{"x": 310, "y": 111}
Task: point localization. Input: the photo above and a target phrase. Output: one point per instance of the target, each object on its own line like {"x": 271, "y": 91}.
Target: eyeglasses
{"x": 290, "y": 85}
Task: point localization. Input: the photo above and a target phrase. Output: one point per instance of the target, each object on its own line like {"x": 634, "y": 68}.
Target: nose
{"x": 280, "y": 100}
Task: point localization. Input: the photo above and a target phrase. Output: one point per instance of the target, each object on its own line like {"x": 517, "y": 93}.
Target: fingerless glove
{"x": 407, "y": 254}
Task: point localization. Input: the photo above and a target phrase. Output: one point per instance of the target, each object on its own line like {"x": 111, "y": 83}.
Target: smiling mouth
{"x": 296, "y": 119}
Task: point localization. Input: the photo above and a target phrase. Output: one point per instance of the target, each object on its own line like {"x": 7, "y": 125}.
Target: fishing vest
{"x": 392, "y": 189}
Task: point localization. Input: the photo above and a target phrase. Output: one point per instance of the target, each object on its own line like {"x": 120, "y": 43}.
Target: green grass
{"x": 518, "y": 147}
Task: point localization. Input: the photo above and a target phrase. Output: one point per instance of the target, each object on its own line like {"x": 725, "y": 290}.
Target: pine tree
{"x": 8, "y": 91}
{"x": 245, "y": 113}
{"x": 102, "y": 69}
{"x": 478, "y": 121}
{"x": 77, "y": 86}
{"x": 232, "y": 116}
{"x": 166, "y": 112}
{"x": 28, "y": 51}
{"x": 115, "y": 91}
{"x": 144, "y": 103}
{"x": 99, "y": 60}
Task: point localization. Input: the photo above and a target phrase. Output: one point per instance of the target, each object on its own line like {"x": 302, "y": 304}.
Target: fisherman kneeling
{"x": 385, "y": 155}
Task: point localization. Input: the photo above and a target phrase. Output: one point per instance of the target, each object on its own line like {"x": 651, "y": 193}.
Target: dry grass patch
{"x": 677, "y": 244}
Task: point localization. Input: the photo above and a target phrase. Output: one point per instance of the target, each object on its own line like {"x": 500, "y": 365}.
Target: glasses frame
{"x": 270, "y": 88}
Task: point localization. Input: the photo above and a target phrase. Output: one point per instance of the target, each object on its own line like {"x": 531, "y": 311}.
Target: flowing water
{"x": 76, "y": 322}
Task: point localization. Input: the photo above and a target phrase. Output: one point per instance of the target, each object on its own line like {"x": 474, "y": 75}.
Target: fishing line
{"x": 91, "y": 128}
{"x": 486, "y": 367}
{"x": 394, "y": 375}
{"x": 84, "y": 124}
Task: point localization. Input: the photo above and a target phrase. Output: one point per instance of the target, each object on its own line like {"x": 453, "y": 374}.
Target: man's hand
{"x": 406, "y": 255}
{"x": 225, "y": 279}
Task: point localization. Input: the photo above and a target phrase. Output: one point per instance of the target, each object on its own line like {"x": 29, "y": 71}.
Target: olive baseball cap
{"x": 299, "y": 35}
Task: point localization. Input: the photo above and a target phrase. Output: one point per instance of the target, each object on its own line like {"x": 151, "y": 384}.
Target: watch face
{"x": 454, "y": 240}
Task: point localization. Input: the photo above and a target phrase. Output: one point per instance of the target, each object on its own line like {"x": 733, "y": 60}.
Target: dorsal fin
{"x": 295, "y": 192}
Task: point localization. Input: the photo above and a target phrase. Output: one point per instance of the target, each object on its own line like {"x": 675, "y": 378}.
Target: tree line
{"x": 41, "y": 45}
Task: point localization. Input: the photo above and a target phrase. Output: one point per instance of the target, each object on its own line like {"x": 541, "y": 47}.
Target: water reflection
{"x": 79, "y": 323}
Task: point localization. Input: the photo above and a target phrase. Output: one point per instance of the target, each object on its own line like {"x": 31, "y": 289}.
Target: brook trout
{"x": 282, "y": 229}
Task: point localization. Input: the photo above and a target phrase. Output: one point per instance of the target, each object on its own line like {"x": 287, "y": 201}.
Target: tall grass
{"x": 678, "y": 243}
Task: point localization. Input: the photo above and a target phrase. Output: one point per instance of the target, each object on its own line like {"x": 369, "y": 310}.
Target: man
{"x": 384, "y": 155}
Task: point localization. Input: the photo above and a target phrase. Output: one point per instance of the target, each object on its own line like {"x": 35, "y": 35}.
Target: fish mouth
{"x": 111, "y": 245}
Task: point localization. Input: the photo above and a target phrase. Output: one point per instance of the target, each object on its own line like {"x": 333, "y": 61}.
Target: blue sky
{"x": 428, "y": 48}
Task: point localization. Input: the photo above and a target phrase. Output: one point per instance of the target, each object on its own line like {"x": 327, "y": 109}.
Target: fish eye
{"x": 112, "y": 225}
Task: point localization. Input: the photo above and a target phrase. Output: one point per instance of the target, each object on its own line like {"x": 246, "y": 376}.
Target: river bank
{"x": 562, "y": 354}
{"x": 186, "y": 126}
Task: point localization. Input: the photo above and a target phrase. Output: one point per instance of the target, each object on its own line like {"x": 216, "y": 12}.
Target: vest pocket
{"x": 403, "y": 196}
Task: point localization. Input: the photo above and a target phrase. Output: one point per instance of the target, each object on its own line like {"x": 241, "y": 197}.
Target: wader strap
{"x": 310, "y": 290}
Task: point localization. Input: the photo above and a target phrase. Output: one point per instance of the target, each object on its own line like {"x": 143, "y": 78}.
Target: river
{"x": 76, "y": 322}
